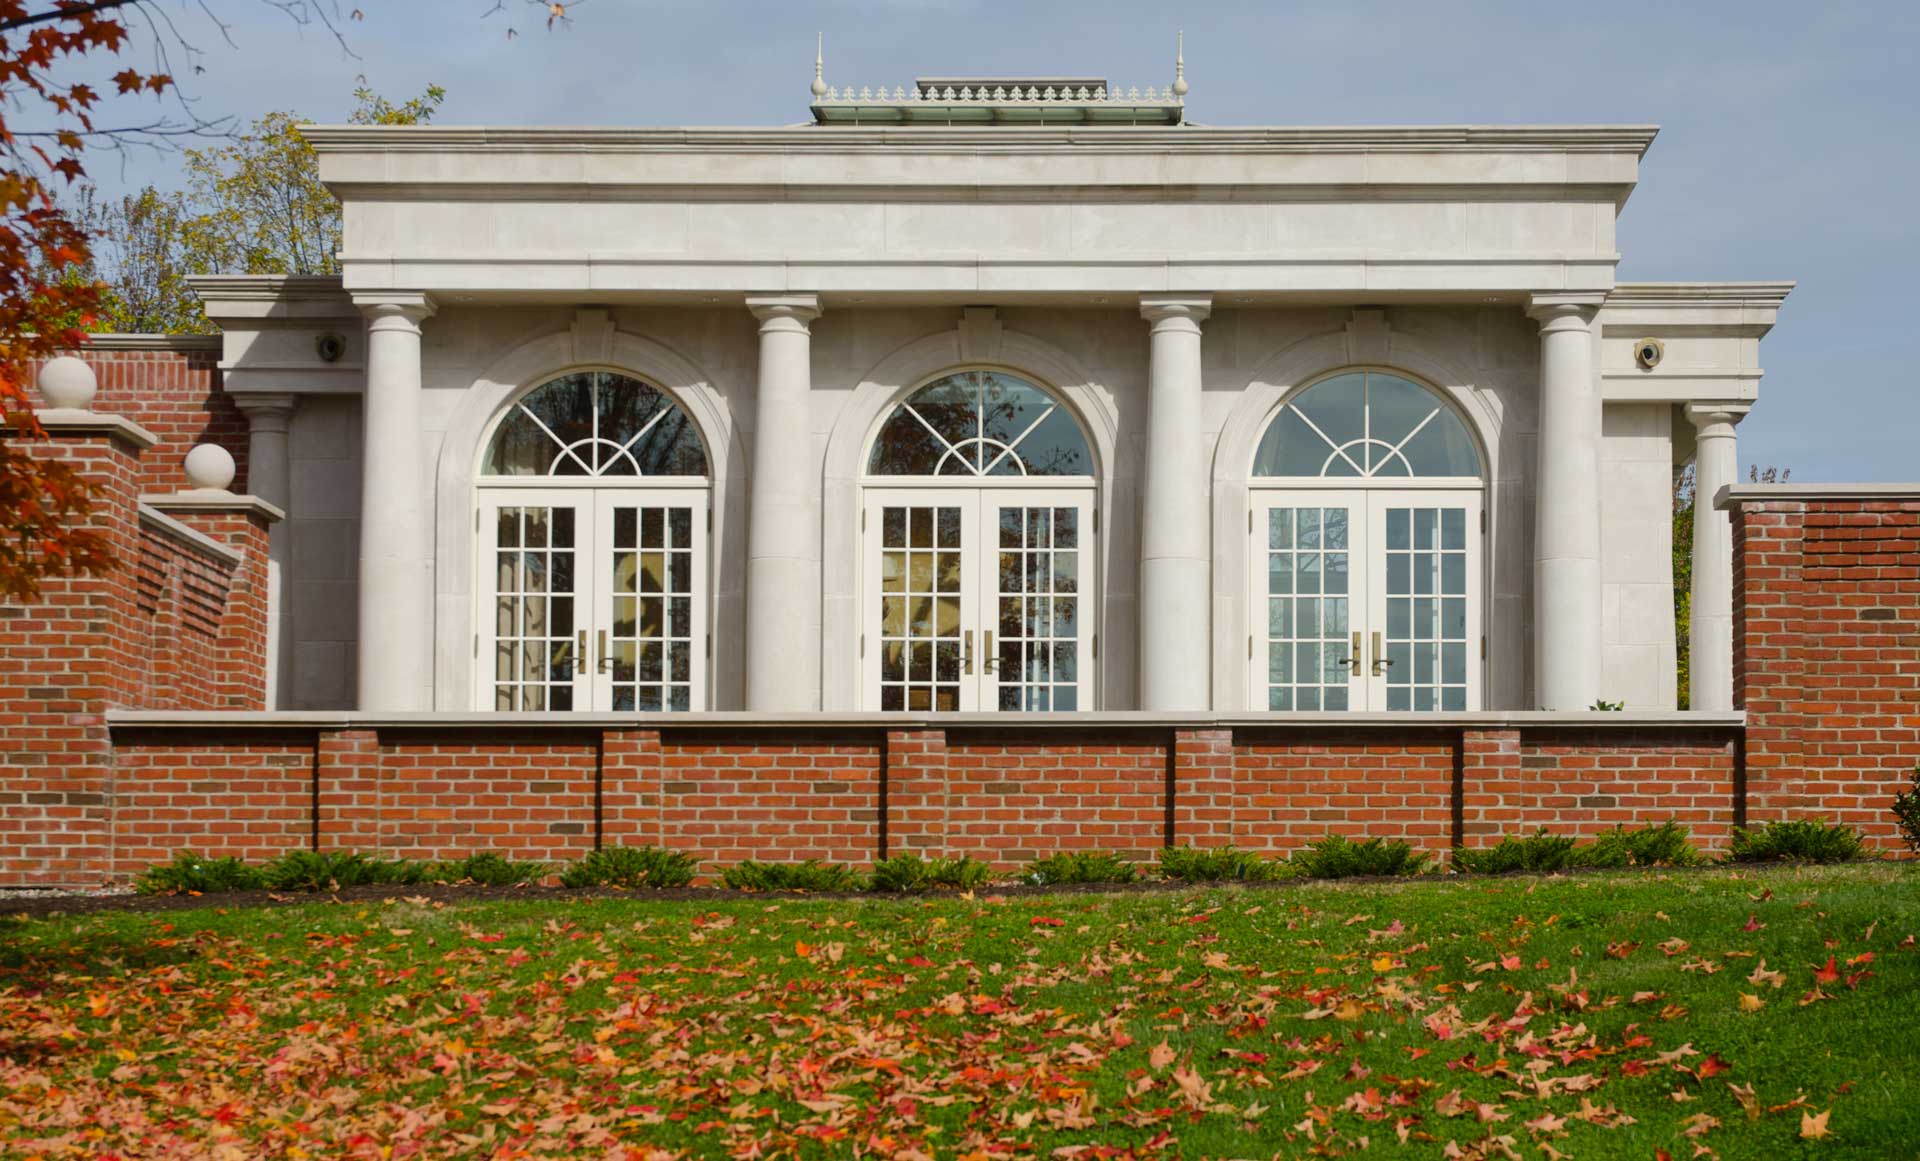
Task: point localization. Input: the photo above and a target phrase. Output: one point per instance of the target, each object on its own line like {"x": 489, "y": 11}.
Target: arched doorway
{"x": 978, "y": 520}
{"x": 1367, "y": 529}
{"x": 592, "y": 505}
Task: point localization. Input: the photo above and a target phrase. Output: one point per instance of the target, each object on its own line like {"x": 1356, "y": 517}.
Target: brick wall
{"x": 175, "y": 625}
{"x": 175, "y": 393}
{"x": 1827, "y": 651}
{"x": 726, "y": 792}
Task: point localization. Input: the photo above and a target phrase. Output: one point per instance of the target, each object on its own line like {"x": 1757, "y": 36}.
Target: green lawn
{"x": 1610, "y": 1016}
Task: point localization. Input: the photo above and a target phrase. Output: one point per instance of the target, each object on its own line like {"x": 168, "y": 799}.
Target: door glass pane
{"x": 1038, "y": 665}
{"x": 652, "y": 636}
{"x": 533, "y": 656}
{"x": 921, "y": 586}
{"x": 1426, "y": 630}
{"x": 1308, "y": 614}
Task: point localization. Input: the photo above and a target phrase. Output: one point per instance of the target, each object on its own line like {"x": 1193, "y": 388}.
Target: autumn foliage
{"x": 44, "y": 505}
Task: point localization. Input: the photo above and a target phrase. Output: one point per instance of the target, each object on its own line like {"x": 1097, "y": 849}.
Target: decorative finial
{"x": 819, "y": 66}
{"x": 1180, "y": 66}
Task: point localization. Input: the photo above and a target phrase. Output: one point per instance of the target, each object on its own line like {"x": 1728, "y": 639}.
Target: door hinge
{"x": 1096, "y": 646}
{"x": 709, "y": 644}
{"x": 863, "y": 519}
{"x": 1483, "y": 648}
{"x": 1249, "y": 646}
{"x": 863, "y": 644}
{"x": 1096, "y": 521}
{"x": 1249, "y": 520}
{"x": 476, "y": 644}
{"x": 709, "y": 520}
{"x": 1483, "y": 520}
{"x": 476, "y": 519}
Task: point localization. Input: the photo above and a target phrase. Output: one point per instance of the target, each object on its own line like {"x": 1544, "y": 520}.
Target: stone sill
{"x": 744, "y": 720}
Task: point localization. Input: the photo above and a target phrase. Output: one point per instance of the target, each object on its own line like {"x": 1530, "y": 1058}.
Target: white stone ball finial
{"x": 68, "y": 384}
{"x": 210, "y": 468}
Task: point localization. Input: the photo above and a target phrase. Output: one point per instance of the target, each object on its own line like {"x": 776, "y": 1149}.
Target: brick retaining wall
{"x": 850, "y": 790}
{"x": 1827, "y": 648}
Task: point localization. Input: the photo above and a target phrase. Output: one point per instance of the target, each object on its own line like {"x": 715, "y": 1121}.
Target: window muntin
{"x": 596, "y": 423}
{"x": 980, "y": 423}
{"x": 1367, "y": 424}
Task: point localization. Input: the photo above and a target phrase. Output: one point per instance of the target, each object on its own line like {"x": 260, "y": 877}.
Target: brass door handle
{"x": 580, "y": 654}
{"x": 1354, "y": 661}
{"x": 966, "y": 651}
{"x": 987, "y": 658}
{"x": 1379, "y": 663}
{"x": 605, "y": 660}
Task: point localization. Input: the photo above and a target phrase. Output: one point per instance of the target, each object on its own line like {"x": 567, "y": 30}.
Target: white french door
{"x": 592, "y": 599}
{"x": 1366, "y": 599}
{"x": 977, "y": 599}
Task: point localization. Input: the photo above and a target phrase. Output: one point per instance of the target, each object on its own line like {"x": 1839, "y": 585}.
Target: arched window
{"x": 980, "y": 423}
{"x": 1367, "y": 424}
{"x": 977, "y": 556}
{"x": 1367, "y": 528}
{"x": 593, "y": 498}
{"x": 596, "y": 423}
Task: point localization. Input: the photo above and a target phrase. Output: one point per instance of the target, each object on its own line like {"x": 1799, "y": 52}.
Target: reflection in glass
{"x": 1366, "y": 423}
{"x": 980, "y": 423}
{"x": 596, "y": 423}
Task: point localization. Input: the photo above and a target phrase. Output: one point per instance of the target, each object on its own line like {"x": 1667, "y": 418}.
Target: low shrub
{"x": 1666, "y": 845}
{"x": 1812, "y": 840}
{"x": 486, "y": 869}
{"x": 631, "y": 867}
{"x": 1335, "y": 857}
{"x": 191, "y": 874}
{"x": 1541, "y": 852}
{"x": 1219, "y": 865}
{"x": 812, "y": 875}
{"x": 913, "y": 873}
{"x": 1081, "y": 867}
{"x": 328, "y": 870}
{"x": 1906, "y": 811}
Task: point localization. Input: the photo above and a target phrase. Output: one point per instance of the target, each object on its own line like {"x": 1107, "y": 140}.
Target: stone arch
{"x": 461, "y": 448}
{"x": 976, "y": 342}
{"x": 1292, "y": 367}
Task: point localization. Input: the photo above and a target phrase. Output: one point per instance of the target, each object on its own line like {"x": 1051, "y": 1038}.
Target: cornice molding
{"x": 1632, "y": 139}
{"x": 1698, "y": 294}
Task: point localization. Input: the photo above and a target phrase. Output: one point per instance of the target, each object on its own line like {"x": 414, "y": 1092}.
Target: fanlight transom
{"x": 980, "y": 423}
{"x": 1367, "y": 424}
{"x": 596, "y": 423}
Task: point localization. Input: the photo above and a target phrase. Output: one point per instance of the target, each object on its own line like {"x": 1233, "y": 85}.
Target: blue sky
{"x": 1789, "y": 144}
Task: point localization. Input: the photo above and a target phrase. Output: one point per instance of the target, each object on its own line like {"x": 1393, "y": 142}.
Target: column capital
{"x": 1708, "y": 415}
{"x": 1159, "y": 308}
{"x": 774, "y": 308}
{"x": 411, "y": 307}
{"x": 1565, "y": 308}
{"x": 266, "y": 410}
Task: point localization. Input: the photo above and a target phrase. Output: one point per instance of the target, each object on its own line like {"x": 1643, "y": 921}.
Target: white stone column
{"x": 1566, "y": 518}
{"x": 1176, "y": 656}
{"x": 396, "y": 536}
{"x": 269, "y": 476}
{"x": 1716, "y": 464}
{"x": 783, "y": 516}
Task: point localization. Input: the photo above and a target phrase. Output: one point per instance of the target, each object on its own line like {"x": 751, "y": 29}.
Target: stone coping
{"x": 1734, "y": 495}
{"x": 148, "y": 341}
{"x": 65, "y": 421}
{"x": 192, "y": 538}
{"x": 747, "y": 720}
{"x": 210, "y": 500}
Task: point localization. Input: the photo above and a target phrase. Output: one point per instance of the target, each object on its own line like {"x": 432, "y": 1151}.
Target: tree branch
{"x": 67, "y": 12}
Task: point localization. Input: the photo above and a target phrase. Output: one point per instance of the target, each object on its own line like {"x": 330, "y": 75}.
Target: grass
{"x": 1602, "y": 1015}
